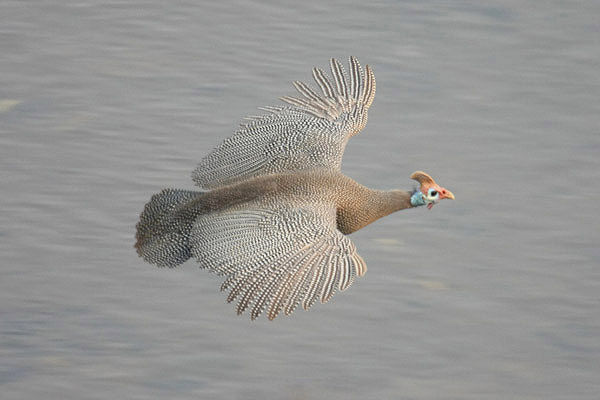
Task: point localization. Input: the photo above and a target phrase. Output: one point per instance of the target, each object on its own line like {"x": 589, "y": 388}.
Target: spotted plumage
{"x": 277, "y": 211}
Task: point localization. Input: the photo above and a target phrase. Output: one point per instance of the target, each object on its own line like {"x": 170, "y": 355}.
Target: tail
{"x": 164, "y": 229}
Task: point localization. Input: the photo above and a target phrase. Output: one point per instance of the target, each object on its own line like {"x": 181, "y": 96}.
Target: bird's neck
{"x": 386, "y": 202}
{"x": 374, "y": 205}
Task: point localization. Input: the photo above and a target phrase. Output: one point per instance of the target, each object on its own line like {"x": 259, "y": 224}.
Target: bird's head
{"x": 430, "y": 193}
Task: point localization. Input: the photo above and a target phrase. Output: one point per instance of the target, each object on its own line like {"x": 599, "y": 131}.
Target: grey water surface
{"x": 493, "y": 296}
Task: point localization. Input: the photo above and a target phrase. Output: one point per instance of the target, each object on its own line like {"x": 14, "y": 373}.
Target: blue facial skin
{"x": 417, "y": 199}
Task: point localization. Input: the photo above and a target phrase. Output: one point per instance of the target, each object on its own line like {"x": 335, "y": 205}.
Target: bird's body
{"x": 356, "y": 205}
{"x": 275, "y": 218}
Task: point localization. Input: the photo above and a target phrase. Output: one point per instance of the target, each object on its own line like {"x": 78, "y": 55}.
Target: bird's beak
{"x": 446, "y": 194}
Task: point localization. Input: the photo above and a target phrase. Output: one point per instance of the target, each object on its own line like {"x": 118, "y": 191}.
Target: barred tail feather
{"x": 162, "y": 234}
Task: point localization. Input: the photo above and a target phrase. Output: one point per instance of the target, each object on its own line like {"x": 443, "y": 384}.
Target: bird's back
{"x": 356, "y": 205}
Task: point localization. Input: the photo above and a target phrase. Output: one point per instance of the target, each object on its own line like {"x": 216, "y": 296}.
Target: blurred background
{"x": 493, "y": 296}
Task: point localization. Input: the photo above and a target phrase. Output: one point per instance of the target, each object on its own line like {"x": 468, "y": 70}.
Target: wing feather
{"x": 355, "y": 78}
{"x": 276, "y": 257}
{"x": 310, "y": 133}
{"x": 322, "y": 80}
{"x": 289, "y": 287}
{"x": 340, "y": 80}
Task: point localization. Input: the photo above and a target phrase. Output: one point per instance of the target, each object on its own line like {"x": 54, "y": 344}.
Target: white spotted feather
{"x": 275, "y": 258}
{"x": 311, "y": 133}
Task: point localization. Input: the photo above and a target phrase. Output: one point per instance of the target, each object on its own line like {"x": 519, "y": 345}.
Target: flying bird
{"x": 276, "y": 210}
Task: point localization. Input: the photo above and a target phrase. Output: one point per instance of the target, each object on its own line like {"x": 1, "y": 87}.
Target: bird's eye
{"x": 433, "y": 193}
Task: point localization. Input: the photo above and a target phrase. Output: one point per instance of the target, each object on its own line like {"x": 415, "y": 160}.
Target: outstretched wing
{"x": 310, "y": 134}
{"x": 276, "y": 257}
